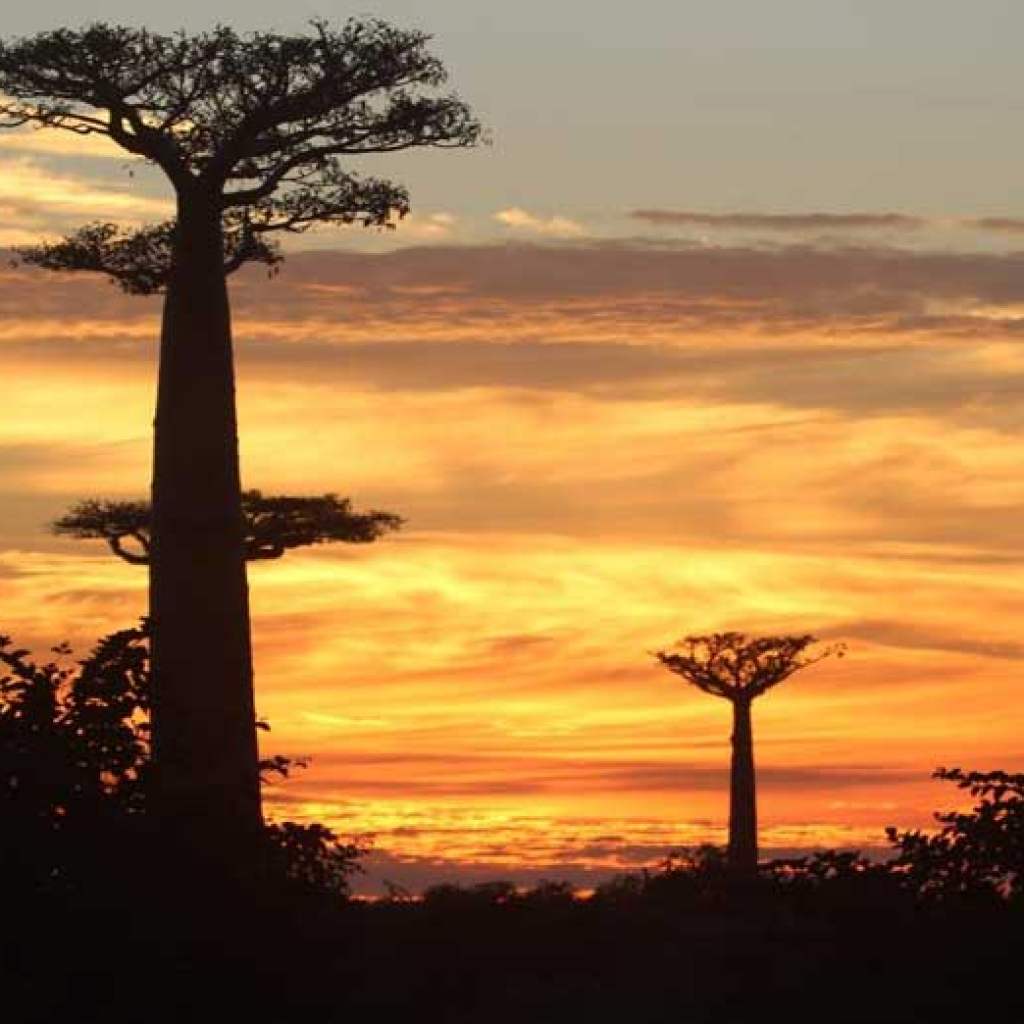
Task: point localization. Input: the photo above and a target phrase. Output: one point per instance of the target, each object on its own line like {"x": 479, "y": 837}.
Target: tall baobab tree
{"x": 740, "y": 668}
{"x": 250, "y": 131}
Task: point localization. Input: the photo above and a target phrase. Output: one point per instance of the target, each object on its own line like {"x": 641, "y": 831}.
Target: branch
{"x": 139, "y": 261}
{"x": 122, "y": 552}
{"x": 738, "y": 667}
{"x": 273, "y": 524}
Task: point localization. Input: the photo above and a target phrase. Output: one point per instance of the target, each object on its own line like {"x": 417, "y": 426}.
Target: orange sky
{"x": 599, "y": 446}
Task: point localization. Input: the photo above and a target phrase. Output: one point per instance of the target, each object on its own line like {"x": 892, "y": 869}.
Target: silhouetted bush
{"x": 976, "y": 856}
{"x": 74, "y": 764}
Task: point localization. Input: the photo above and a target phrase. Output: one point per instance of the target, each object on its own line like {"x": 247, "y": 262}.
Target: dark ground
{"x": 486, "y": 957}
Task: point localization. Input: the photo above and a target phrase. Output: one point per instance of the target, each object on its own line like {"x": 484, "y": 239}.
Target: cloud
{"x": 816, "y": 221}
{"x": 640, "y": 294}
{"x": 44, "y": 200}
{"x": 780, "y": 221}
{"x": 430, "y": 226}
{"x": 394, "y": 775}
{"x": 920, "y": 636}
{"x": 52, "y": 142}
{"x": 556, "y": 226}
{"x": 598, "y": 287}
{"x": 1013, "y": 225}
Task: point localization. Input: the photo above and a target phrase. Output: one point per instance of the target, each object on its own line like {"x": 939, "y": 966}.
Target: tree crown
{"x": 255, "y": 124}
{"x": 272, "y": 524}
{"x": 741, "y": 667}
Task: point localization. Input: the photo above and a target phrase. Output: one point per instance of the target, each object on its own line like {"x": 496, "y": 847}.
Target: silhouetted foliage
{"x": 273, "y": 524}
{"x": 741, "y": 668}
{"x": 259, "y": 119}
{"x": 737, "y": 666}
{"x": 975, "y": 855}
{"x": 448, "y": 895}
{"x": 311, "y": 858}
{"x": 73, "y": 750}
{"x": 74, "y": 765}
{"x": 139, "y": 259}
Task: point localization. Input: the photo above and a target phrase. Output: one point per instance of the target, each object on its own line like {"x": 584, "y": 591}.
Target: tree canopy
{"x": 741, "y": 667}
{"x": 274, "y": 524}
{"x": 255, "y": 123}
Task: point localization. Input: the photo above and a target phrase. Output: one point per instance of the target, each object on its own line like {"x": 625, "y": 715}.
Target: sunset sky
{"x": 724, "y": 331}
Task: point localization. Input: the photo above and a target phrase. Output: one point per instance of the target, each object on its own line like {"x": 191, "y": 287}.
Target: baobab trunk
{"x": 742, "y": 799}
{"x": 206, "y": 778}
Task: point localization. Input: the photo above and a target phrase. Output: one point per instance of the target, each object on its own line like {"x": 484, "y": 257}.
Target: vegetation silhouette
{"x": 273, "y": 524}
{"x": 740, "y": 668}
{"x": 75, "y": 780}
{"x": 933, "y": 933}
{"x": 976, "y": 855}
{"x": 250, "y": 132}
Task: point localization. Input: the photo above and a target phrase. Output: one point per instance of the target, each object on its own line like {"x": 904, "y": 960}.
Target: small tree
{"x": 250, "y": 132}
{"x": 273, "y": 524}
{"x": 740, "y": 668}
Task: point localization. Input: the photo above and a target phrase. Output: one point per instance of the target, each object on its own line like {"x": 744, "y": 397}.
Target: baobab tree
{"x": 273, "y": 524}
{"x": 250, "y": 131}
{"x": 740, "y": 668}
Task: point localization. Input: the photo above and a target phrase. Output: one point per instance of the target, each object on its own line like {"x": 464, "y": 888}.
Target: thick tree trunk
{"x": 206, "y": 780}
{"x": 742, "y": 798}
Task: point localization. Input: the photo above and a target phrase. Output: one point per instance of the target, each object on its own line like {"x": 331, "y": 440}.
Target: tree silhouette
{"x": 740, "y": 668}
{"x": 250, "y": 131}
{"x": 273, "y": 524}
{"x": 75, "y": 767}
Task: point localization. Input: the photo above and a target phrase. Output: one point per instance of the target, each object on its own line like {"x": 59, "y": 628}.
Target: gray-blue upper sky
{"x": 792, "y": 105}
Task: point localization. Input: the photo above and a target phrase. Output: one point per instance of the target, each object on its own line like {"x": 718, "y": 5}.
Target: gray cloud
{"x": 779, "y": 221}
{"x": 451, "y": 290}
{"x": 877, "y": 276}
{"x": 921, "y": 637}
{"x": 797, "y": 222}
{"x": 1013, "y": 225}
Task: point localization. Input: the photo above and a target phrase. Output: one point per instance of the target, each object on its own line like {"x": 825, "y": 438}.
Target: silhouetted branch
{"x": 740, "y": 667}
{"x": 139, "y": 260}
{"x": 274, "y": 524}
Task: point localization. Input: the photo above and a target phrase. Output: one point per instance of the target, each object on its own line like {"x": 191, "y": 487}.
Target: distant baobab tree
{"x": 740, "y": 668}
{"x": 250, "y": 131}
{"x": 273, "y": 524}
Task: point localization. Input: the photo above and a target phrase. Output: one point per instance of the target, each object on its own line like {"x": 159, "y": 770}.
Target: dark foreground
{"x": 490, "y": 956}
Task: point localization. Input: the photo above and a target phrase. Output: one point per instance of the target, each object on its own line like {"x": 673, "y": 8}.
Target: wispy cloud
{"x": 555, "y": 226}
{"x": 430, "y": 226}
{"x": 57, "y": 143}
{"x": 1012, "y": 225}
{"x": 38, "y": 200}
{"x": 780, "y": 221}
{"x": 818, "y": 221}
